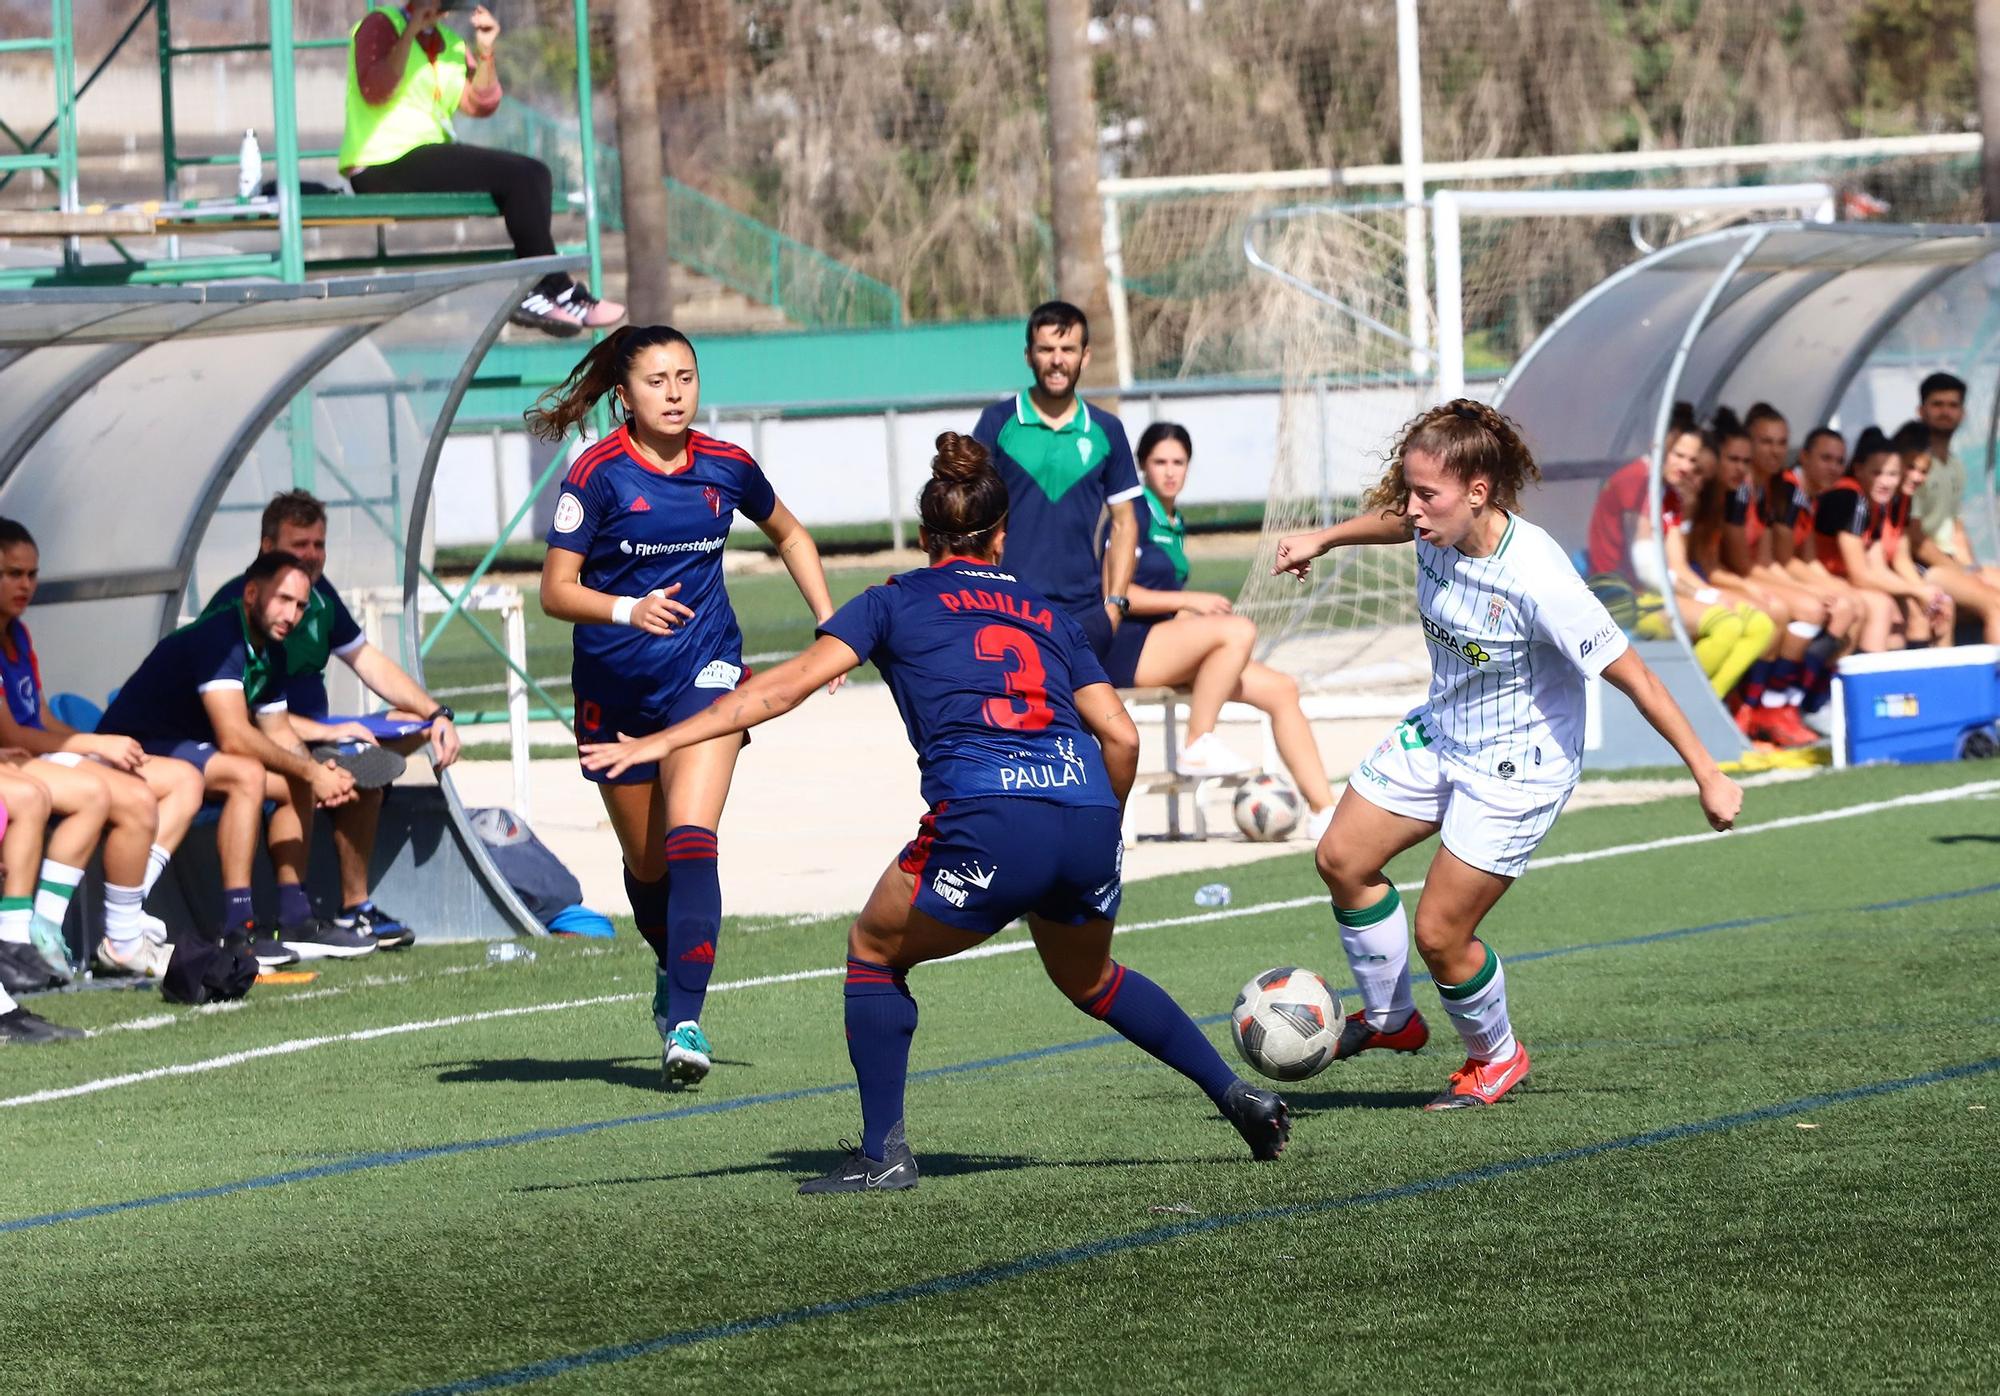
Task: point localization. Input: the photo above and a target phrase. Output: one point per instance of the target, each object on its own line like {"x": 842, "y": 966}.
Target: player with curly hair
{"x": 1491, "y": 755}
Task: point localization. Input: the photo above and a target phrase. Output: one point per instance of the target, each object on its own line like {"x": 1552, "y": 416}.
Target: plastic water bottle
{"x": 508, "y": 952}
{"x": 249, "y": 166}
{"x": 1212, "y": 894}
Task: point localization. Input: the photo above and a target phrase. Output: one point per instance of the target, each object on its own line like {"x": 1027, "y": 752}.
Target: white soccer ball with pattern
{"x": 1267, "y": 809}
{"x": 1286, "y": 1022}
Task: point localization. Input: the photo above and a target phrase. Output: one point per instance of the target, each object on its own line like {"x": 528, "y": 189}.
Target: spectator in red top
{"x": 408, "y": 76}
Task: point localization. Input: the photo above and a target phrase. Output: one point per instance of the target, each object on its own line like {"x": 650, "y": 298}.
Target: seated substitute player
{"x": 1849, "y": 523}
{"x": 1845, "y": 517}
{"x": 1494, "y": 751}
{"x": 1970, "y": 596}
{"x": 295, "y": 522}
{"x": 148, "y": 801}
{"x": 193, "y": 699}
{"x": 635, "y": 562}
{"x": 1064, "y": 463}
{"x": 18, "y": 1025}
{"x": 1940, "y": 504}
{"x": 1174, "y": 636}
{"x": 23, "y": 837}
{"x": 1027, "y": 756}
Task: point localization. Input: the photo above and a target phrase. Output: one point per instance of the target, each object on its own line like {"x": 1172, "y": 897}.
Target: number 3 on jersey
{"x": 1026, "y": 708}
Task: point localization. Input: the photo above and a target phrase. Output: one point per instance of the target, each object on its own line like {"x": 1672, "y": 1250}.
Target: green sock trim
{"x": 56, "y": 889}
{"x": 1370, "y": 915}
{"x": 17, "y": 903}
{"x": 1456, "y": 992}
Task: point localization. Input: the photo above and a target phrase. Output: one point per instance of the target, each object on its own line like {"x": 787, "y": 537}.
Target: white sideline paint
{"x": 1974, "y": 790}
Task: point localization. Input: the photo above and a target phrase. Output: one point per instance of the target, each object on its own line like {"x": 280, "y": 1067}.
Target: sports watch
{"x": 1123, "y": 603}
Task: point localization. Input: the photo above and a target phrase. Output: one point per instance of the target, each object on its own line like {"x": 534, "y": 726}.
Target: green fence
{"x": 810, "y": 288}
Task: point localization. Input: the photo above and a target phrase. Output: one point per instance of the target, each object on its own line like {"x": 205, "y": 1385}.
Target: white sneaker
{"x": 1206, "y": 756}
{"x": 1820, "y": 721}
{"x": 1317, "y": 824}
{"x": 141, "y": 958}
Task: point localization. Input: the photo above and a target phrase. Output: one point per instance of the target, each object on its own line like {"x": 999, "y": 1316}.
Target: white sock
{"x": 1478, "y": 1009}
{"x": 14, "y": 924}
{"x": 124, "y": 916}
{"x": 58, "y": 885}
{"x": 7, "y": 1004}
{"x": 157, "y": 859}
{"x": 1377, "y": 942}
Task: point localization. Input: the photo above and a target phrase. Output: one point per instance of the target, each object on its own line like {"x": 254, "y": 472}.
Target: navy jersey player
{"x": 635, "y": 562}
{"x": 1027, "y": 756}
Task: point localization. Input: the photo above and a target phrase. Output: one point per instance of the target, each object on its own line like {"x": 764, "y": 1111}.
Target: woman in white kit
{"x": 1494, "y": 751}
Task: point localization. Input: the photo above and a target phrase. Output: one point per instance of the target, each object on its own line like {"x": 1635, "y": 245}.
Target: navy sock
{"x": 881, "y": 1020}
{"x": 694, "y": 919}
{"x": 1784, "y": 675}
{"x": 1149, "y": 1018}
{"x": 293, "y": 904}
{"x": 649, "y": 911}
{"x": 1754, "y": 680}
{"x": 238, "y": 910}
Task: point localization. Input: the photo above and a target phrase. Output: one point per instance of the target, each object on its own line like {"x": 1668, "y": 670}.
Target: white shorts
{"x": 1487, "y": 822}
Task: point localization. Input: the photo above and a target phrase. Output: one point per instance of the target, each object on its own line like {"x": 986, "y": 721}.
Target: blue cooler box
{"x": 1917, "y": 705}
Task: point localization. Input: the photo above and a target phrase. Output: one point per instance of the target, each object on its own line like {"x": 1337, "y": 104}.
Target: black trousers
{"x": 520, "y": 185}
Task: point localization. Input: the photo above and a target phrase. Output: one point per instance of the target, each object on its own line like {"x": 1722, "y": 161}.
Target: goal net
{"x": 1330, "y": 304}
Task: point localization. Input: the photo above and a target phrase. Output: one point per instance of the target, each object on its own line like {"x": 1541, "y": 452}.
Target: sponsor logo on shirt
{"x": 693, "y": 545}
{"x": 1468, "y": 650}
{"x": 991, "y": 576}
{"x": 718, "y": 673}
{"x": 569, "y": 513}
{"x": 1068, "y": 769}
{"x": 1436, "y": 576}
{"x": 1603, "y": 635}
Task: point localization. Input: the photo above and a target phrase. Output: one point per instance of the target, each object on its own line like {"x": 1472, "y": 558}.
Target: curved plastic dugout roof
{"x": 1794, "y": 314}
{"x": 142, "y": 429}
{"x": 1833, "y": 324}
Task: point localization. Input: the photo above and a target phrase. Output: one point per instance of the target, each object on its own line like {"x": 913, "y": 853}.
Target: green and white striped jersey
{"x": 1513, "y": 638}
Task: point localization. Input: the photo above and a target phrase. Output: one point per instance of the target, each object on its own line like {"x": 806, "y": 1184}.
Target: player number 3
{"x": 1026, "y": 709}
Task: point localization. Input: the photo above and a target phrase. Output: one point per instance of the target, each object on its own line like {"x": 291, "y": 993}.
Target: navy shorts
{"x": 981, "y": 864}
{"x": 1121, "y": 664}
{"x": 598, "y": 720}
{"x": 1096, "y": 628}
{"x": 196, "y": 754}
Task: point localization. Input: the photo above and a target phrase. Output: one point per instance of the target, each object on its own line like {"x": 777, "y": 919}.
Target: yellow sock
{"x": 1755, "y": 638}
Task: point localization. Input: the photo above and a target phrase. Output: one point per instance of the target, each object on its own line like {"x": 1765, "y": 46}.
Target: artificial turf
{"x": 1681, "y": 1197}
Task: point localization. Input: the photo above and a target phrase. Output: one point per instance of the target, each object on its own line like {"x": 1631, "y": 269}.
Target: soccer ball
{"x": 1267, "y": 809}
{"x": 1285, "y": 1023}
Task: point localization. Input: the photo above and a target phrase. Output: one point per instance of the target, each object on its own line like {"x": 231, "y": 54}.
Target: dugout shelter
{"x": 1833, "y": 324}
{"x": 142, "y": 429}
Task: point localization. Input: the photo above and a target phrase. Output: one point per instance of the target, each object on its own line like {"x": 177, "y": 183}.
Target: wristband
{"x": 622, "y": 608}
{"x": 1707, "y": 596}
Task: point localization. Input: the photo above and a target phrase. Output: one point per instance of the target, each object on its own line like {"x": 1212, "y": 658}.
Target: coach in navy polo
{"x": 1063, "y": 461}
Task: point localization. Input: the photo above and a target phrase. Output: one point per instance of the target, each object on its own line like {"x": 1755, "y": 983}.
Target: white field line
{"x": 1975, "y": 789}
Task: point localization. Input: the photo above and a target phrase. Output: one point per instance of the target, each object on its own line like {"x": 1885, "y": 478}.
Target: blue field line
{"x": 1042, "y": 1261}
{"x": 361, "y": 1163}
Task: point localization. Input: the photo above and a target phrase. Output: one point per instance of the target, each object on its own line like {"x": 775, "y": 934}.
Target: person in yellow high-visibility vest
{"x": 407, "y": 77}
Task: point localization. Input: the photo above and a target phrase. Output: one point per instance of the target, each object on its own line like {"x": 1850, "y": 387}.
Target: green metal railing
{"x": 60, "y": 45}
{"x": 810, "y": 288}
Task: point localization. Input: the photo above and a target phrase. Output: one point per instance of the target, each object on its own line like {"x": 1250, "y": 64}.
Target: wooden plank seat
{"x": 1171, "y": 783}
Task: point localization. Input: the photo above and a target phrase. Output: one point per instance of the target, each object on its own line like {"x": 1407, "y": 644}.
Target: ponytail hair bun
{"x": 964, "y": 501}
{"x": 960, "y": 460}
